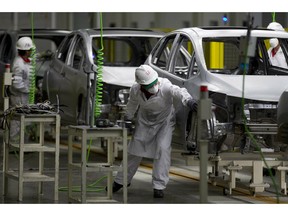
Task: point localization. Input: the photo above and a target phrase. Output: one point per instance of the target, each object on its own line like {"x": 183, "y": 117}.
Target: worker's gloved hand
{"x": 128, "y": 122}
{"x": 193, "y": 105}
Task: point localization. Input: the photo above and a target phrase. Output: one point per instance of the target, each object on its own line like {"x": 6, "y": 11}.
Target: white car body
{"x": 121, "y": 76}
{"x": 70, "y": 79}
{"x": 187, "y": 58}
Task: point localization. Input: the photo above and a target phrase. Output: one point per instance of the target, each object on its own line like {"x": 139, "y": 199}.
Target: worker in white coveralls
{"x": 152, "y": 98}
{"x": 275, "y": 53}
{"x": 19, "y": 90}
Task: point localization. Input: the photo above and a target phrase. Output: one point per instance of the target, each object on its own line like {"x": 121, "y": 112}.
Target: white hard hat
{"x": 275, "y": 26}
{"x": 24, "y": 43}
{"x": 145, "y": 75}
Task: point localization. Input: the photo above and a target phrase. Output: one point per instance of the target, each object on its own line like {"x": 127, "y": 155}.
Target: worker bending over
{"x": 152, "y": 98}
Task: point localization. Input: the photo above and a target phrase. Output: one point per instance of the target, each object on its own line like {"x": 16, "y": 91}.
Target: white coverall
{"x": 278, "y": 59}
{"x": 19, "y": 89}
{"x": 153, "y": 132}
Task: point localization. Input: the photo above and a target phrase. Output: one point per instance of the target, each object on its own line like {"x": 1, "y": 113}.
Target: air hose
{"x": 247, "y": 131}
{"x": 99, "y": 78}
{"x": 99, "y": 84}
{"x": 32, "y": 75}
{"x": 93, "y": 187}
{"x": 273, "y": 17}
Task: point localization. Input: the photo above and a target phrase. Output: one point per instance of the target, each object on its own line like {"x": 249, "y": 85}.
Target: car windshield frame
{"x": 134, "y": 49}
{"x": 260, "y": 55}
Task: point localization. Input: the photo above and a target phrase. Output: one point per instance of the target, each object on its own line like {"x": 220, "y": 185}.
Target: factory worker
{"x": 152, "y": 98}
{"x": 275, "y": 53}
{"x": 19, "y": 90}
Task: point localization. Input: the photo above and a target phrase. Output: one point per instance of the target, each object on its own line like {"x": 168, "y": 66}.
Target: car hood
{"x": 263, "y": 88}
{"x": 121, "y": 76}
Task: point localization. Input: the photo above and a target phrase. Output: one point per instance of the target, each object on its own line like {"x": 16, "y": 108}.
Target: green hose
{"x": 273, "y": 17}
{"x": 93, "y": 187}
{"x": 32, "y": 76}
{"x": 99, "y": 85}
{"x": 246, "y": 128}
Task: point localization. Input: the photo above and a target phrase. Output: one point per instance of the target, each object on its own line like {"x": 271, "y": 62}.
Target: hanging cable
{"x": 89, "y": 150}
{"x": 32, "y": 76}
{"x": 246, "y": 129}
{"x": 99, "y": 85}
{"x": 99, "y": 81}
{"x": 97, "y": 111}
{"x": 273, "y": 17}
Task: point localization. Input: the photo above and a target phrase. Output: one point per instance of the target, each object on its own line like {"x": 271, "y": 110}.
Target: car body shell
{"x": 262, "y": 89}
{"x": 72, "y": 87}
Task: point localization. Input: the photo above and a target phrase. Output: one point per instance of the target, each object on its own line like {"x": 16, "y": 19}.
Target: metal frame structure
{"x": 86, "y": 133}
{"x": 228, "y": 162}
{"x": 22, "y": 175}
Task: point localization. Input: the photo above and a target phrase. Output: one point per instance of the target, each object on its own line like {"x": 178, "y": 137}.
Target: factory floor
{"x": 183, "y": 187}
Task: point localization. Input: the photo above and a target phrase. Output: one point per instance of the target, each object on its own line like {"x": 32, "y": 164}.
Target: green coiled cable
{"x": 32, "y": 76}
{"x": 99, "y": 85}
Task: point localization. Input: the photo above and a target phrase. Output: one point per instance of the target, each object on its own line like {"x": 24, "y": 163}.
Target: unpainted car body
{"x": 70, "y": 79}
{"x": 46, "y": 41}
{"x": 217, "y": 57}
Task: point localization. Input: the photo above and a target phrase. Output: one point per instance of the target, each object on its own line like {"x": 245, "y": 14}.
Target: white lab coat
{"x": 153, "y": 133}
{"x": 154, "y": 115}
{"x": 19, "y": 89}
{"x": 20, "y": 71}
{"x": 278, "y": 59}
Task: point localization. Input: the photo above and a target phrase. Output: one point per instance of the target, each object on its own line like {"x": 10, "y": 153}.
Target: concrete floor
{"x": 183, "y": 187}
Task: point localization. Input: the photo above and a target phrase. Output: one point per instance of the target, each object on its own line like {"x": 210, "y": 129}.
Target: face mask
{"x": 154, "y": 89}
{"x": 273, "y": 42}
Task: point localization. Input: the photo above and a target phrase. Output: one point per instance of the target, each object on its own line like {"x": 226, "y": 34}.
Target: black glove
{"x": 193, "y": 105}
{"x": 129, "y": 122}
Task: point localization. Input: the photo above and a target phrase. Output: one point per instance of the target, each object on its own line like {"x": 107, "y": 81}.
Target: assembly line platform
{"x": 183, "y": 187}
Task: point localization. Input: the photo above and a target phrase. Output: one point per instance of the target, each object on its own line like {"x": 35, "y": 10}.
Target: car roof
{"x": 39, "y": 32}
{"x": 220, "y": 31}
{"x": 56, "y": 35}
{"x": 135, "y": 32}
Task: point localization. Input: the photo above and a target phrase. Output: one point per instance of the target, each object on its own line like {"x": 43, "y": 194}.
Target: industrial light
{"x": 225, "y": 18}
